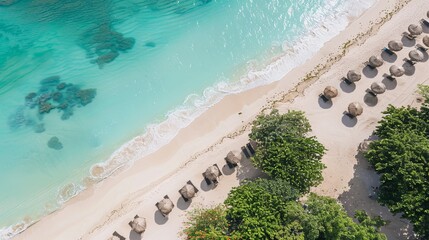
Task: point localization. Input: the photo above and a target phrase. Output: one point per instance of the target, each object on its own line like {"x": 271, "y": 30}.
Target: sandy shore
{"x": 111, "y": 204}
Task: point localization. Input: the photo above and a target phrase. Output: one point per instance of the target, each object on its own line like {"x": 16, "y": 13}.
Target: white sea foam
{"x": 157, "y": 135}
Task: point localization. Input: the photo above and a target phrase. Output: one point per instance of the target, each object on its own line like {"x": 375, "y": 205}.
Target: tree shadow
{"x": 134, "y": 236}
{"x": 409, "y": 69}
{"x": 182, "y": 204}
{"x": 206, "y": 187}
{"x": 408, "y": 42}
{"x": 348, "y": 121}
{"x": 226, "y": 170}
{"x": 323, "y": 104}
{"x": 390, "y": 84}
{"x": 370, "y": 100}
{"x": 362, "y": 196}
{"x": 389, "y": 58}
{"x": 369, "y": 72}
{"x": 159, "y": 218}
{"x": 347, "y": 88}
{"x": 246, "y": 170}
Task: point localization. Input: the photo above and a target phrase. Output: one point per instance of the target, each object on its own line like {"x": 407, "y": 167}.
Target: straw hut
{"x": 395, "y": 46}
{"x": 231, "y": 159}
{"x": 165, "y": 206}
{"x": 415, "y": 29}
{"x": 188, "y": 191}
{"x": 353, "y": 76}
{"x": 396, "y": 71}
{"x": 426, "y": 40}
{"x": 330, "y": 92}
{"x": 355, "y": 109}
{"x": 212, "y": 173}
{"x": 378, "y": 87}
{"x": 416, "y": 56}
{"x": 138, "y": 225}
{"x": 375, "y": 61}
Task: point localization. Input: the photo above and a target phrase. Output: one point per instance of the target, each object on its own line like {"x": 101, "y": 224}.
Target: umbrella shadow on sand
{"x": 134, "y": 236}
{"x": 370, "y": 100}
{"x": 369, "y": 73}
{"x": 408, "y": 42}
{"x": 409, "y": 69}
{"x": 389, "y": 58}
{"x": 347, "y": 88}
{"x": 348, "y": 121}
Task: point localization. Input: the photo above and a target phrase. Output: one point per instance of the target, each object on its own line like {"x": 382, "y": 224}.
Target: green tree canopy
{"x": 210, "y": 224}
{"x": 267, "y": 209}
{"x": 337, "y": 225}
{"x": 402, "y": 159}
{"x": 285, "y": 152}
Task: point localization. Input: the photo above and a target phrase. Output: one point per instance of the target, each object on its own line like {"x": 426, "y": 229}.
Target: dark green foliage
{"x": 208, "y": 224}
{"x": 257, "y": 212}
{"x": 285, "y": 152}
{"x": 403, "y": 119}
{"x": 335, "y": 224}
{"x": 402, "y": 159}
{"x": 267, "y": 128}
{"x": 268, "y": 209}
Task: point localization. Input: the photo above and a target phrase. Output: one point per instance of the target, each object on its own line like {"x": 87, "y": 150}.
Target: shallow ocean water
{"x": 151, "y": 66}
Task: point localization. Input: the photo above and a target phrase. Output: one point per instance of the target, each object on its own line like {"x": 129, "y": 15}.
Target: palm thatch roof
{"x": 330, "y": 92}
{"x": 212, "y": 173}
{"x": 395, "y": 46}
{"x": 188, "y": 191}
{"x": 375, "y": 61}
{"x": 231, "y": 158}
{"x": 353, "y": 76}
{"x": 355, "y": 109}
{"x": 416, "y": 55}
{"x": 378, "y": 87}
{"x": 139, "y": 225}
{"x": 415, "y": 29}
{"x": 165, "y": 206}
{"x": 396, "y": 71}
{"x": 426, "y": 40}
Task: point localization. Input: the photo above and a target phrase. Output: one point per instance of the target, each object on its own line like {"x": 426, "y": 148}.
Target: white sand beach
{"x": 108, "y": 206}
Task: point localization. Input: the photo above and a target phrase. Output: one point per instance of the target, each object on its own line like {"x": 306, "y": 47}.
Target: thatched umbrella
{"x": 139, "y": 225}
{"x": 426, "y": 40}
{"x": 375, "y": 61}
{"x": 187, "y": 191}
{"x": 415, "y": 29}
{"x": 165, "y": 206}
{"x": 378, "y": 87}
{"x": 396, "y": 71}
{"x": 416, "y": 55}
{"x": 330, "y": 92}
{"x": 232, "y": 159}
{"x": 395, "y": 46}
{"x": 212, "y": 173}
{"x": 355, "y": 109}
{"x": 353, "y": 76}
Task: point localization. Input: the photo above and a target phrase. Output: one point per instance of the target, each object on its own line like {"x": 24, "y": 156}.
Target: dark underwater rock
{"x": 150, "y": 44}
{"x": 107, "y": 58}
{"x": 126, "y": 44}
{"x": 61, "y": 86}
{"x": 55, "y": 143}
{"x": 57, "y": 96}
{"x": 39, "y": 128}
{"x": 45, "y": 107}
{"x": 85, "y": 96}
{"x": 30, "y": 96}
{"x": 51, "y": 81}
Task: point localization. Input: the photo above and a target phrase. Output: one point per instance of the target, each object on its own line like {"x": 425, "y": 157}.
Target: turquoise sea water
{"x": 119, "y": 70}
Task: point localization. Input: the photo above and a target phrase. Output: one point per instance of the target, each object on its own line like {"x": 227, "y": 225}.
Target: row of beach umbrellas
{"x": 355, "y": 109}
{"x": 188, "y": 191}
